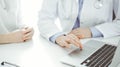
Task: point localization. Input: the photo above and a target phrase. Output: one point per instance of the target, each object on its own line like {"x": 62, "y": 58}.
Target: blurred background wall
{"x": 29, "y": 11}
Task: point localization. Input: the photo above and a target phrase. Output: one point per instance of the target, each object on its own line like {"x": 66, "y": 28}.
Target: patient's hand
{"x": 21, "y": 35}
{"x": 16, "y": 36}
{"x": 28, "y": 33}
{"x": 66, "y": 40}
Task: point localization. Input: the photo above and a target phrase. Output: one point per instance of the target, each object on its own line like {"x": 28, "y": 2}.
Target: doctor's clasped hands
{"x": 74, "y": 37}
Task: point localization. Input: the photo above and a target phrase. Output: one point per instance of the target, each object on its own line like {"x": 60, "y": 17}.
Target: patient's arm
{"x": 13, "y": 37}
{"x": 17, "y": 36}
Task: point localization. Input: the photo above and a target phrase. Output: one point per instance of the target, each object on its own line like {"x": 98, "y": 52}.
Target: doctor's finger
{"x": 77, "y": 40}
{"x": 80, "y": 36}
{"x": 73, "y": 38}
{"x": 79, "y": 43}
{"x": 64, "y": 44}
{"x": 76, "y": 43}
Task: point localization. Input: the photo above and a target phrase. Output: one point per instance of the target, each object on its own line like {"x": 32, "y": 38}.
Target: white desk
{"x": 37, "y": 53}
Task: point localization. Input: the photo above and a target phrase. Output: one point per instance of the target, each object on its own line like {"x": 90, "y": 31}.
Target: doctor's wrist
{"x": 55, "y": 36}
{"x": 82, "y": 33}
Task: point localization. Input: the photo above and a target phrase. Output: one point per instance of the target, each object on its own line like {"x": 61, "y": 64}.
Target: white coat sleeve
{"x": 47, "y": 16}
{"x": 109, "y": 29}
{"x": 112, "y": 28}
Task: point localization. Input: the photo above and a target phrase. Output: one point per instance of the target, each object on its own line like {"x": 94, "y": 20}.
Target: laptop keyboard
{"x": 101, "y": 58}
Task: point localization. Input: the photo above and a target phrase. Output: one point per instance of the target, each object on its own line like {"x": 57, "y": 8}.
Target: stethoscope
{"x": 98, "y": 4}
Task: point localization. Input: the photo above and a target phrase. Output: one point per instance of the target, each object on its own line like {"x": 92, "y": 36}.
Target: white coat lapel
{"x": 77, "y": 1}
{"x": 74, "y": 8}
{"x": 67, "y": 7}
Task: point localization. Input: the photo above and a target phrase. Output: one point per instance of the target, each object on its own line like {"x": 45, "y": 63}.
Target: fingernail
{"x": 81, "y": 47}
{"x": 24, "y": 40}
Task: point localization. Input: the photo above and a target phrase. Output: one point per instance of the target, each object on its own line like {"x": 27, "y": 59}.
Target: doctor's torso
{"x": 89, "y": 16}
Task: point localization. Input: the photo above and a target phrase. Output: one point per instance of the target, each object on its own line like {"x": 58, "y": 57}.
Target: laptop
{"x": 94, "y": 54}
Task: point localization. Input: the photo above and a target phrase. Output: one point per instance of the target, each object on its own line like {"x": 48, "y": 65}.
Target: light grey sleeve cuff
{"x": 96, "y": 32}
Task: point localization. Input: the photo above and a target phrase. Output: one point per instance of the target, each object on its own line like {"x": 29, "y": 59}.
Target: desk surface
{"x": 38, "y": 52}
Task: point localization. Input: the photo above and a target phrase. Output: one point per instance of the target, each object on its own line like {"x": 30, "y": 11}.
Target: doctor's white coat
{"x": 67, "y": 11}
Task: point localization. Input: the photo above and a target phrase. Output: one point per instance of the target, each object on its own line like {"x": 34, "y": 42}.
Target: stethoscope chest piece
{"x": 98, "y": 4}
